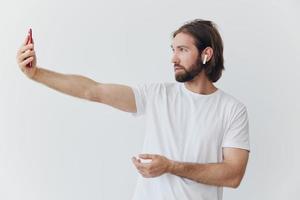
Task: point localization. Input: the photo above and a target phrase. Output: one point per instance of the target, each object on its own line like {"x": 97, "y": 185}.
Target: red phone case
{"x": 29, "y": 41}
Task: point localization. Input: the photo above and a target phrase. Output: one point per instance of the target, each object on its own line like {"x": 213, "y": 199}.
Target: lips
{"x": 177, "y": 68}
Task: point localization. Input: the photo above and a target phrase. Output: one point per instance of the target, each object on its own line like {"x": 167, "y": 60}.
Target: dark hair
{"x": 205, "y": 35}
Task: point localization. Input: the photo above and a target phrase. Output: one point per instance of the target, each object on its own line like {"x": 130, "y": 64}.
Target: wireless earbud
{"x": 205, "y": 58}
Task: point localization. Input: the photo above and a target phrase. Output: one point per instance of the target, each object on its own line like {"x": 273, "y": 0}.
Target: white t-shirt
{"x": 187, "y": 127}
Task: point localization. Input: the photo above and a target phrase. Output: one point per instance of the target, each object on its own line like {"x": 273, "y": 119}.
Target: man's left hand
{"x": 158, "y": 166}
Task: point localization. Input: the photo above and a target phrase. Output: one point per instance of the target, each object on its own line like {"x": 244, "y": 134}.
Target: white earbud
{"x": 204, "y": 60}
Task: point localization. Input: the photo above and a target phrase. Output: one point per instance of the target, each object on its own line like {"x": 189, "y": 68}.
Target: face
{"x": 186, "y": 58}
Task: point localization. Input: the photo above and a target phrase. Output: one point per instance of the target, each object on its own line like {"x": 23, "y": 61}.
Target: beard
{"x": 188, "y": 75}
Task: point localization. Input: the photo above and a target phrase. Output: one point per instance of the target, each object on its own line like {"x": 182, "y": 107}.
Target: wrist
{"x": 171, "y": 166}
{"x": 34, "y": 76}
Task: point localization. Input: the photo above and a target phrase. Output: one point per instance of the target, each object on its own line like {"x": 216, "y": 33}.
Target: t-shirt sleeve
{"x": 237, "y": 134}
{"x": 142, "y": 94}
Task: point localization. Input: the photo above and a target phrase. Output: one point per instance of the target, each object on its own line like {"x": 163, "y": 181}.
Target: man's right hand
{"x": 25, "y": 55}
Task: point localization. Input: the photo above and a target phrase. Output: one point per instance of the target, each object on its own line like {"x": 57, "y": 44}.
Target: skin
{"x": 228, "y": 173}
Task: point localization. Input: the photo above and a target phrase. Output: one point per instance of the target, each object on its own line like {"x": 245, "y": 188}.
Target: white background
{"x": 54, "y": 146}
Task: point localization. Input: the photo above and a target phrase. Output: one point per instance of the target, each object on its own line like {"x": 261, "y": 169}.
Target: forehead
{"x": 183, "y": 39}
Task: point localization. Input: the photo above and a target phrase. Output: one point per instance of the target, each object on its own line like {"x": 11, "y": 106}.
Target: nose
{"x": 175, "y": 59}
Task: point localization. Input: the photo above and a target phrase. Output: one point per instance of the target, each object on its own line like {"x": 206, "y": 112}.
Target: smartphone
{"x": 29, "y": 41}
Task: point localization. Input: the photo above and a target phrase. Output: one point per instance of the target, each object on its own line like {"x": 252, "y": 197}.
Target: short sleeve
{"x": 237, "y": 134}
{"x": 143, "y": 94}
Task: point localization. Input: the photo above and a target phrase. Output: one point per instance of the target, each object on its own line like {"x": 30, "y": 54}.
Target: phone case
{"x": 29, "y": 41}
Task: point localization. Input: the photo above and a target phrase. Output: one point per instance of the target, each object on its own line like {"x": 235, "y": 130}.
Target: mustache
{"x": 180, "y": 66}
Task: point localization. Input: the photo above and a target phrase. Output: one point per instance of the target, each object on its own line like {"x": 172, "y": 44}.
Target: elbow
{"x": 88, "y": 95}
{"x": 235, "y": 183}
{"x": 92, "y": 93}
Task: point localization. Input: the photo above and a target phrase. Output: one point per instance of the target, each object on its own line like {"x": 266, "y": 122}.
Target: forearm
{"x": 74, "y": 85}
{"x": 218, "y": 174}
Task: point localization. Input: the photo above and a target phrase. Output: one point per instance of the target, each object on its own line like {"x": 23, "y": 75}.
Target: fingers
{"x": 24, "y": 63}
{"x": 26, "y": 58}
{"x": 137, "y": 163}
{"x": 25, "y": 48}
{"x": 26, "y": 54}
{"x": 145, "y": 169}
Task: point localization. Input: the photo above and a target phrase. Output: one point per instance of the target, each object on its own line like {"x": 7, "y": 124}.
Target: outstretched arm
{"x": 115, "y": 95}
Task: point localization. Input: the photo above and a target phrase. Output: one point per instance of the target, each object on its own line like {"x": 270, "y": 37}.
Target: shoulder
{"x": 157, "y": 87}
{"x": 231, "y": 103}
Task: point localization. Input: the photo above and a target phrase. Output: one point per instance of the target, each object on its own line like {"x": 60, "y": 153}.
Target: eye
{"x": 182, "y": 49}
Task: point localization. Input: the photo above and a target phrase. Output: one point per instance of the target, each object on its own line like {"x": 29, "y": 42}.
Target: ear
{"x": 207, "y": 54}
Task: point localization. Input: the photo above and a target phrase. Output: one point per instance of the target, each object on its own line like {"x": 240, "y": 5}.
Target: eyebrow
{"x": 179, "y": 46}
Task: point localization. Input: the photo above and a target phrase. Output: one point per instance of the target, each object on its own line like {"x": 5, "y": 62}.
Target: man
{"x": 197, "y": 139}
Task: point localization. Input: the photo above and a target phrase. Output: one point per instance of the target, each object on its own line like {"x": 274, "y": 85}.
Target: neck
{"x": 200, "y": 84}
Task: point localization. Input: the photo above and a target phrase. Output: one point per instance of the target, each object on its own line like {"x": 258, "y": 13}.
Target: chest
{"x": 187, "y": 129}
